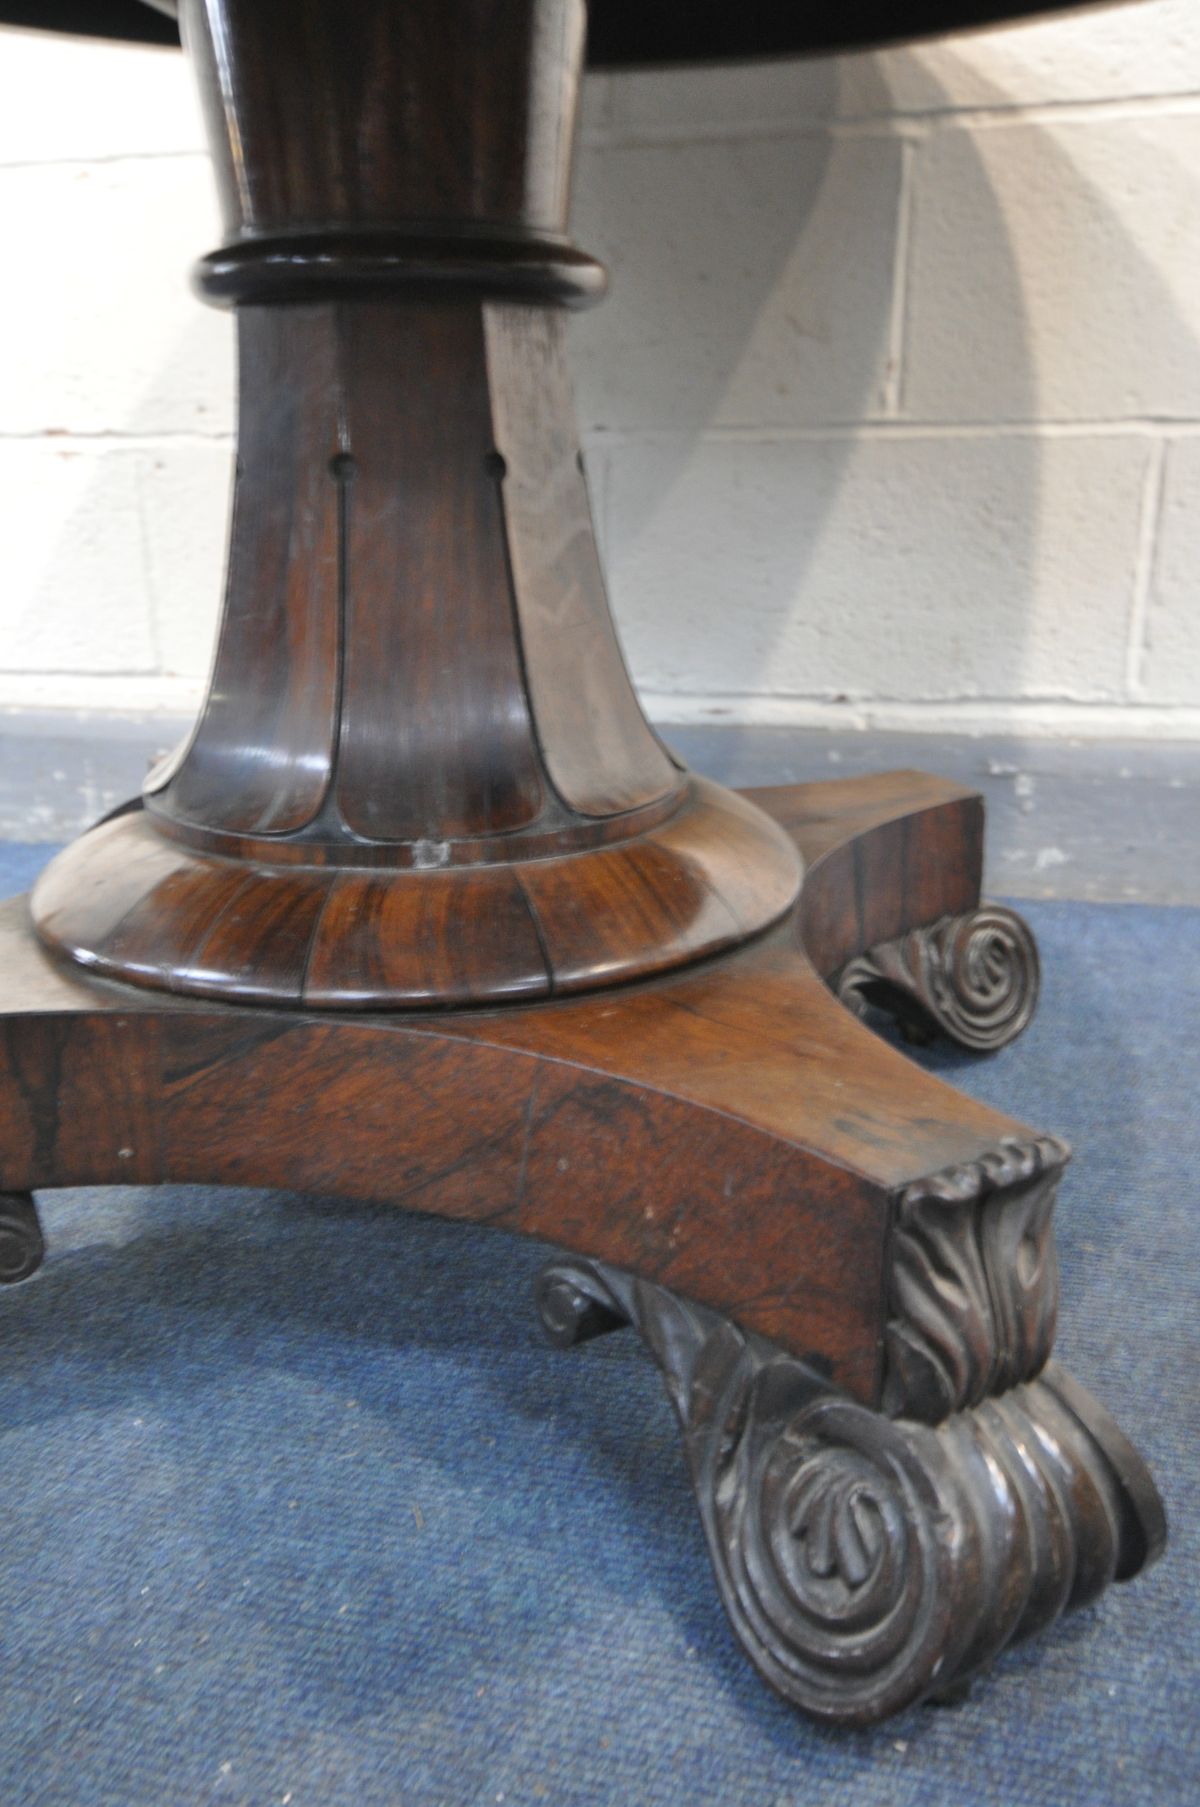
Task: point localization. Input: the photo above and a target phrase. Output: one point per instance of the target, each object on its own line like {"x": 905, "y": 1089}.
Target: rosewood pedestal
{"x": 424, "y": 911}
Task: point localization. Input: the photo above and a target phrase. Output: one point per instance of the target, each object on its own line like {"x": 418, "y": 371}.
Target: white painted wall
{"x": 893, "y": 415}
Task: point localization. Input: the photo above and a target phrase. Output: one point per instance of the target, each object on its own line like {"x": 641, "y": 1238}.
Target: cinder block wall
{"x": 892, "y": 416}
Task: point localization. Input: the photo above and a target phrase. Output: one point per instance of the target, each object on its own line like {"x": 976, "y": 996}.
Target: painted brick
{"x": 75, "y": 594}
{"x": 77, "y": 99}
{"x": 1109, "y": 53}
{"x": 185, "y": 493}
{"x": 64, "y": 98}
{"x": 751, "y": 282}
{"x": 1053, "y": 278}
{"x": 595, "y": 104}
{"x": 889, "y": 566}
{"x": 738, "y": 95}
{"x": 1112, "y": 53}
{"x": 1171, "y": 664}
{"x": 1055, "y": 272}
{"x": 111, "y": 338}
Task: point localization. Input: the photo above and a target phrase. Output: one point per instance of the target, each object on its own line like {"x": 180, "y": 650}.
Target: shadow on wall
{"x": 133, "y": 561}
{"x": 755, "y": 303}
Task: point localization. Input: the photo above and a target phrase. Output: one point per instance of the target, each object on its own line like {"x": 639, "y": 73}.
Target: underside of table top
{"x": 629, "y": 33}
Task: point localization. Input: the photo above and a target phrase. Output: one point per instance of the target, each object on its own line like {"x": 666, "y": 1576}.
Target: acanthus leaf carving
{"x": 973, "y": 1281}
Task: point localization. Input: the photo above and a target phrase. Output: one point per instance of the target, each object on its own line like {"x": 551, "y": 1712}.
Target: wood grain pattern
{"x": 436, "y": 742}
{"x": 600, "y": 753}
{"x": 295, "y": 95}
{"x": 731, "y": 1132}
{"x": 410, "y": 662}
{"x": 417, "y": 670}
{"x": 423, "y": 913}
{"x": 126, "y": 902}
{"x": 260, "y": 760}
{"x": 918, "y": 862}
{"x": 443, "y": 938}
{"x": 844, "y": 1268}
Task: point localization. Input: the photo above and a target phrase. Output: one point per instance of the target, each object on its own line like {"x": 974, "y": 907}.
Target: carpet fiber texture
{"x": 298, "y": 1509}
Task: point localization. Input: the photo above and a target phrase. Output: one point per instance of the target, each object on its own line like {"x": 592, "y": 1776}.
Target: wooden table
{"x": 424, "y": 911}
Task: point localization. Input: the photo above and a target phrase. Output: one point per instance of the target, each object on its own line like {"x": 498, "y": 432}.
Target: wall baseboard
{"x": 1075, "y": 819}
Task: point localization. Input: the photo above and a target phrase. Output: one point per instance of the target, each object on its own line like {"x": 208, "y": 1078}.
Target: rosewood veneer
{"x": 424, "y": 911}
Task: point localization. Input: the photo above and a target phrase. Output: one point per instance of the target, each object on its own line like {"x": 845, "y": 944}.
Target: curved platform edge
{"x": 890, "y": 914}
{"x": 128, "y": 903}
{"x": 844, "y": 1267}
{"x": 867, "y": 1563}
{"x": 729, "y": 1131}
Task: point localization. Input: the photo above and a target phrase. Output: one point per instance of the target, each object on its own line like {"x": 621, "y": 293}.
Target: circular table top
{"x": 629, "y": 32}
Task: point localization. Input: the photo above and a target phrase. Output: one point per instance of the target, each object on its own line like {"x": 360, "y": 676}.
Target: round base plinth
{"x": 130, "y": 904}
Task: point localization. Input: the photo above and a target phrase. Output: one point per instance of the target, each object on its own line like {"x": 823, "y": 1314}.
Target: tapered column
{"x": 416, "y": 650}
{"x": 420, "y": 729}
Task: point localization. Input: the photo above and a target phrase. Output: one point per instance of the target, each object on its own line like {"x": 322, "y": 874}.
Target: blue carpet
{"x": 298, "y": 1510}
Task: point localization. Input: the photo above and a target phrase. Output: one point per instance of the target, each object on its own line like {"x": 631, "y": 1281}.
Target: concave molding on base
{"x": 130, "y": 903}
{"x": 867, "y": 1563}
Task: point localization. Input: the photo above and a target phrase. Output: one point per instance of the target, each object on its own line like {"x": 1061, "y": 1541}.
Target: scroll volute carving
{"x": 974, "y": 978}
{"x": 867, "y": 1562}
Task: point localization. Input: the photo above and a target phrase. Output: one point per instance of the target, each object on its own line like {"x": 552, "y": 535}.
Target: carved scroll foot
{"x": 22, "y": 1246}
{"x": 867, "y": 1563}
{"x": 973, "y": 978}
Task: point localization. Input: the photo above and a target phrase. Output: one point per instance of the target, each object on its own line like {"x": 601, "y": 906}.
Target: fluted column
{"x": 421, "y": 775}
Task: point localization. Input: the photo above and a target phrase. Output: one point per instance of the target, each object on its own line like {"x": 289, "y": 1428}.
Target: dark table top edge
{"x": 636, "y": 34}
